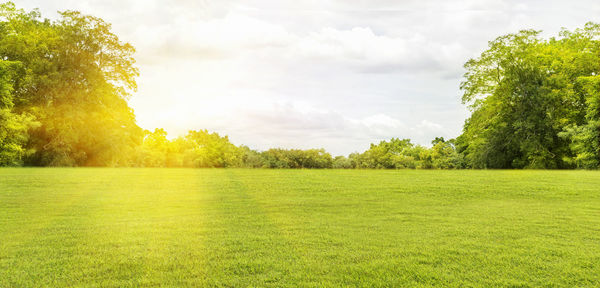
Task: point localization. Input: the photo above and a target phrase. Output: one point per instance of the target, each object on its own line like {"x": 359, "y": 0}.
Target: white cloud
{"x": 381, "y": 120}
{"x": 298, "y": 125}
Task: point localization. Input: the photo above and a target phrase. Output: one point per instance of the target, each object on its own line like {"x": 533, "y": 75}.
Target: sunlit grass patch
{"x": 224, "y": 227}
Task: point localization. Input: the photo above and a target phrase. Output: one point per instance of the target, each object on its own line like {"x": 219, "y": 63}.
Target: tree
{"x": 585, "y": 138}
{"x": 444, "y": 155}
{"x": 157, "y": 151}
{"x": 204, "y": 149}
{"x": 523, "y": 92}
{"x": 297, "y": 159}
{"x": 342, "y": 162}
{"x": 75, "y": 80}
{"x": 13, "y": 127}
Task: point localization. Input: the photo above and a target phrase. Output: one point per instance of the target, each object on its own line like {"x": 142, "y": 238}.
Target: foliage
{"x": 397, "y": 154}
{"x": 296, "y": 158}
{"x": 196, "y": 149}
{"x": 342, "y": 162}
{"x": 204, "y": 149}
{"x": 13, "y": 126}
{"x": 252, "y": 158}
{"x": 75, "y": 79}
{"x": 156, "y": 150}
{"x": 585, "y": 138}
{"x": 525, "y": 93}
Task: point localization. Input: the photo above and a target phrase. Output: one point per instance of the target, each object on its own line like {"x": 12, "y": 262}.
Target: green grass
{"x": 307, "y": 228}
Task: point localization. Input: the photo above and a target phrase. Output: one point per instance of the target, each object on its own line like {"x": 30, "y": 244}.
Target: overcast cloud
{"x": 308, "y": 73}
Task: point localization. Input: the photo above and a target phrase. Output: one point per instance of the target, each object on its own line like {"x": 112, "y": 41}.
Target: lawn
{"x": 100, "y": 227}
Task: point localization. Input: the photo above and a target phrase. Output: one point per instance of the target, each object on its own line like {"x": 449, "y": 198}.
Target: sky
{"x": 304, "y": 74}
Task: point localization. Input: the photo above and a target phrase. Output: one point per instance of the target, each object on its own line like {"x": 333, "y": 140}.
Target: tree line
{"x": 64, "y": 86}
{"x": 205, "y": 149}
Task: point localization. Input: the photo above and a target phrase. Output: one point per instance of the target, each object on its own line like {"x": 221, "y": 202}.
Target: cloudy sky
{"x": 312, "y": 73}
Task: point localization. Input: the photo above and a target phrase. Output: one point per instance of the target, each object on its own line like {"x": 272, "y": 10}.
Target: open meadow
{"x": 102, "y": 227}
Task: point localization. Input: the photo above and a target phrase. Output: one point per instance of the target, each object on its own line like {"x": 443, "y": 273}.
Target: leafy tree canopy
{"x": 73, "y": 76}
{"x": 532, "y": 101}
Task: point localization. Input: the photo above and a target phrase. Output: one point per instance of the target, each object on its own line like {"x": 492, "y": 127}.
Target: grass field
{"x": 309, "y": 228}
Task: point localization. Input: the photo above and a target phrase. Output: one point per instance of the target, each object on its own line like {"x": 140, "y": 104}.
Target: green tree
{"x": 157, "y": 151}
{"x": 13, "y": 127}
{"x": 585, "y": 138}
{"x": 297, "y": 158}
{"x": 342, "y": 162}
{"x": 523, "y": 92}
{"x": 444, "y": 155}
{"x": 76, "y": 79}
{"x": 396, "y": 153}
{"x": 204, "y": 149}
